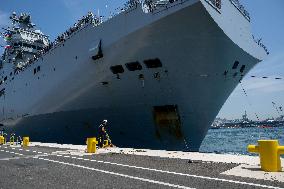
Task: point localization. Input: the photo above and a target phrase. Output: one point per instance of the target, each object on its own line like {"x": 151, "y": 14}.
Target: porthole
{"x": 133, "y": 66}
{"x": 117, "y": 69}
{"x": 236, "y": 64}
{"x": 243, "y": 68}
{"x": 153, "y": 63}
{"x": 225, "y": 73}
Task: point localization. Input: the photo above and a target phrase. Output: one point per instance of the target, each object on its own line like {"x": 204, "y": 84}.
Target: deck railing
{"x": 216, "y": 3}
{"x": 241, "y": 8}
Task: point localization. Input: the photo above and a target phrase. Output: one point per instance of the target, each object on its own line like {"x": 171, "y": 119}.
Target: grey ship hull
{"x": 194, "y": 51}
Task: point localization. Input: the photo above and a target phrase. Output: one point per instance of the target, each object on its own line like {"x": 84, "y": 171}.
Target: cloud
{"x": 260, "y": 85}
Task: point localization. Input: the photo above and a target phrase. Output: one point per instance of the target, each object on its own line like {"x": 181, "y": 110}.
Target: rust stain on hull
{"x": 167, "y": 121}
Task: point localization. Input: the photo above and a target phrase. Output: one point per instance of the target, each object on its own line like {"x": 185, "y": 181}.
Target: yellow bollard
{"x": 92, "y": 145}
{"x": 269, "y": 152}
{"x": 2, "y": 140}
{"x": 105, "y": 144}
{"x": 26, "y": 141}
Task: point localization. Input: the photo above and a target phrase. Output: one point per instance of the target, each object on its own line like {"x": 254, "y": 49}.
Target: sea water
{"x": 236, "y": 140}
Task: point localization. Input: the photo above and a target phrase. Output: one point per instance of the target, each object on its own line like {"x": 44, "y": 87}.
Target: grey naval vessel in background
{"x": 159, "y": 71}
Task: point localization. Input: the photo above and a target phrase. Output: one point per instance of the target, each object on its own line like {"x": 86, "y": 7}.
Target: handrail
{"x": 259, "y": 43}
{"x": 241, "y": 8}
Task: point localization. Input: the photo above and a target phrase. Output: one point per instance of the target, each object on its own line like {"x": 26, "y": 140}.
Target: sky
{"x": 53, "y": 17}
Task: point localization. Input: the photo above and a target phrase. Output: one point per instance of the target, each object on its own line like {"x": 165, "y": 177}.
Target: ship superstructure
{"x": 24, "y": 43}
{"x": 159, "y": 71}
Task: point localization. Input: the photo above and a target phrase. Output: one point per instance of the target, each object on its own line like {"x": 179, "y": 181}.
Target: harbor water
{"x": 235, "y": 140}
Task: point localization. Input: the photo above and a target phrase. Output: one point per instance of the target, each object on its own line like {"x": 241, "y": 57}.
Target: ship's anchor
{"x": 100, "y": 52}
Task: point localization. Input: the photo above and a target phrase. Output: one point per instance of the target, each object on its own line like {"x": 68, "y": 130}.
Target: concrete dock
{"x": 68, "y": 166}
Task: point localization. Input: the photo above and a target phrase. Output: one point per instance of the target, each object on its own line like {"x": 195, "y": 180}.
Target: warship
{"x": 159, "y": 71}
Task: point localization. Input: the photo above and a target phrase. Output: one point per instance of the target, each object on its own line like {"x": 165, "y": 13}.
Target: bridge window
{"x": 153, "y": 63}
{"x": 133, "y": 66}
{"x": 117, "y": 69}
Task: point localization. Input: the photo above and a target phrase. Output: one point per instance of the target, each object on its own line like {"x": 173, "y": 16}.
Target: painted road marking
{"x": 176, "y": 173}
{"x": 13, "y": 158}
{"x": 184, "y": 174}
{"x": 118, "y": 174}
{"x": 12, "y": 152}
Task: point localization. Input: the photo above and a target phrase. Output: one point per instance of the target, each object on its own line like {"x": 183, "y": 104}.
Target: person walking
{"x": 103, "y": 135}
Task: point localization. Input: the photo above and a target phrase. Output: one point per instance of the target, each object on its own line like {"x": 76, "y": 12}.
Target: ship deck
{"x": 67, "y": 166}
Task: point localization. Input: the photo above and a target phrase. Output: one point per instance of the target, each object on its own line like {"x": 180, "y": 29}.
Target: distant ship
{"x": 159, "y": 71}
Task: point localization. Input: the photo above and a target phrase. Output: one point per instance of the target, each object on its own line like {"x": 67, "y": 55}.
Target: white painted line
{"x": 12, "y": 152}
{"x": 66, "y": 156}
{"x": 8, "y": 159}
{"x": 119, "y": 174}
{"x": 183, "y": 174}
{"x": 175, "y": 173}
{"x": 58, "y": 155}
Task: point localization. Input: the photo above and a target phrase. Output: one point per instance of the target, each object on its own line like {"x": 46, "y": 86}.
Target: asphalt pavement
{"x": 48, "y": 167}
